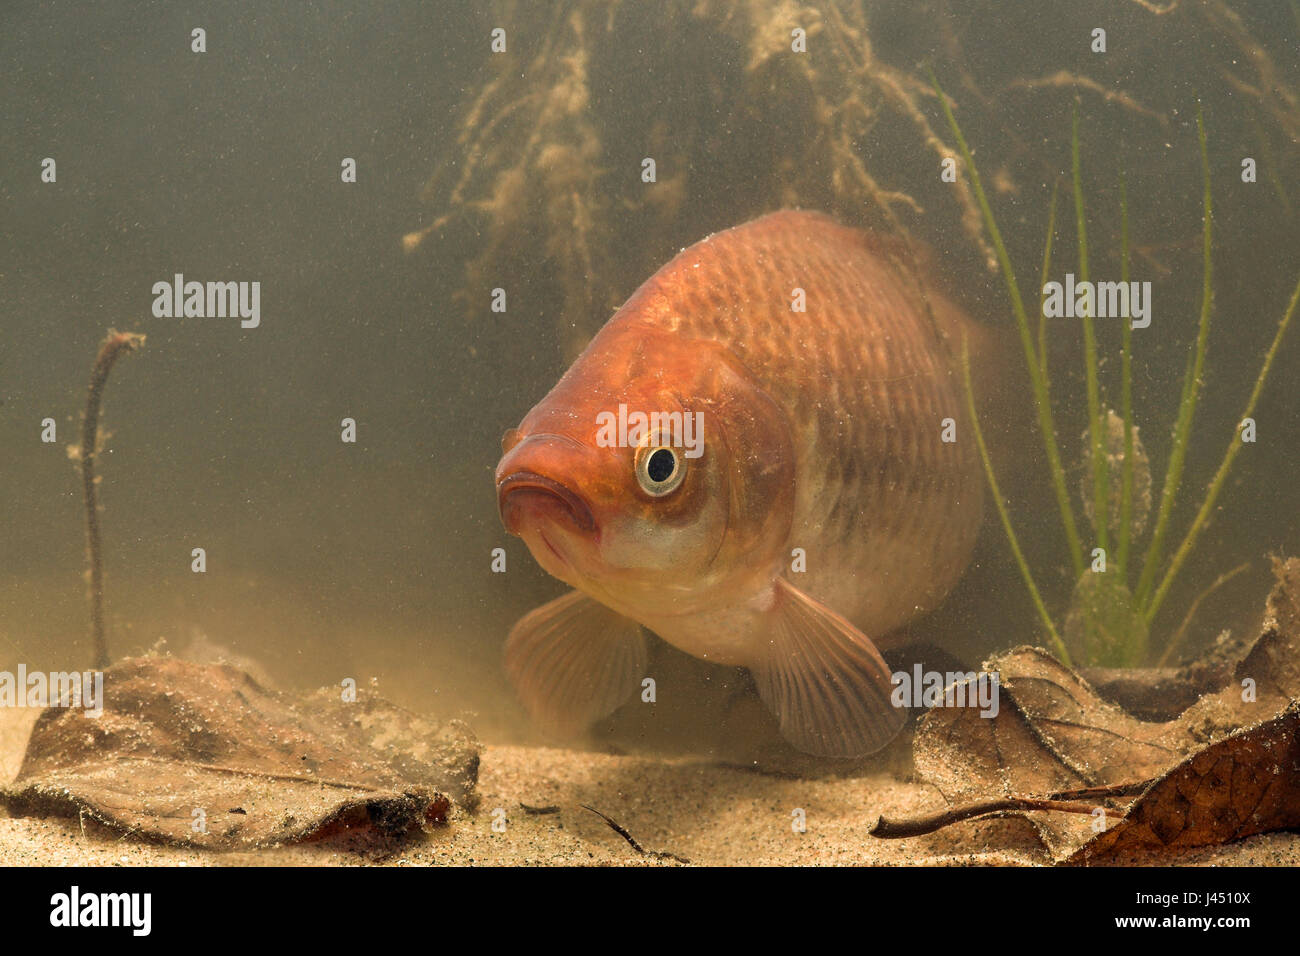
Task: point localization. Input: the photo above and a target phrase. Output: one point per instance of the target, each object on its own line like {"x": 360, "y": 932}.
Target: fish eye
{"x": 659, "y": 469}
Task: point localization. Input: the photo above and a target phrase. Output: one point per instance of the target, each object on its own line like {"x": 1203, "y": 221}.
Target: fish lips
{"x": 525, "y": 491}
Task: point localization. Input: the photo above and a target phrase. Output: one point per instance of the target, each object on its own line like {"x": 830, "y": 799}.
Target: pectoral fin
{"x": 824, "y": 680}
{"x": 573, "y": 661}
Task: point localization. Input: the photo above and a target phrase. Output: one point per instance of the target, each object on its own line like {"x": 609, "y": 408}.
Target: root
{"x": 1064, "y": 79}
{"x": 529, "y": 186}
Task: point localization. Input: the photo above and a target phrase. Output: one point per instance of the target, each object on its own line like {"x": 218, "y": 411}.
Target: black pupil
{"x": 661, "y": 464}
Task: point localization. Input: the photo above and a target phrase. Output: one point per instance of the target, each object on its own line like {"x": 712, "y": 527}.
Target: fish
{"x": 831, "y": 496}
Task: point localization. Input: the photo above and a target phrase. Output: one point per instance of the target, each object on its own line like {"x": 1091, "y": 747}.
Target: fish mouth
{"x": 523, "y": 491}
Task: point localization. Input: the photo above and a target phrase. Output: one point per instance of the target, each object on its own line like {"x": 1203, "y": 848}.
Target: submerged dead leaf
{"x": 1052, "y": 734}
{"x": 1245, "y": 784}
{"x": 1203, "y": 779}
{"x": 203, "y": 755}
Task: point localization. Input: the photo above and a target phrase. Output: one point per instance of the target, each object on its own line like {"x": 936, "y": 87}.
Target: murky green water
{"x": 372, "y": 559}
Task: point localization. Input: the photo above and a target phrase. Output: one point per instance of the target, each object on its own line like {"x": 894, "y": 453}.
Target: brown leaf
{"x": 261, "y": 767}
{"x": 1245, "y": 784}
{"x": 1271, "y": 666}
{"x": 1053, "y": 733}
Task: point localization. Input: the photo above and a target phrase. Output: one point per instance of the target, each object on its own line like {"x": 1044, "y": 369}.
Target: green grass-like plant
{"x": 1108, "y": 624}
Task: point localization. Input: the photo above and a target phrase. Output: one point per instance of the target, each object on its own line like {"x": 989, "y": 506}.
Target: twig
{"x": 539, "y": 811}
{"x": 116, "y": 344}
{"x": 622, "y": 831}
{"x": 1065, "y": 801}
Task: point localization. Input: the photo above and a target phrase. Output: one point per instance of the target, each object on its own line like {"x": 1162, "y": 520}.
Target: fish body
{"x": 834, "y": 494}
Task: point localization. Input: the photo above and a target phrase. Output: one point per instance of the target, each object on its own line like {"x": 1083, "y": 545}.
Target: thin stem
{"x": 1044, "y": 408}
{"x": 115, "y": 345}
{"x": 889, "y": 828}
{"x": 1002, "y": 509}
{"x": 1126, "y": 398}
{"x": 1096, "y": 441}
{"x": 1179, "y": 634}
{"x": 1221, "y": 476}
{"x": 1187, "y": 406}
{"x": 1066, "y": 801}
{"x": 1269, "y": 164}
{"x": 1047, "y": 269}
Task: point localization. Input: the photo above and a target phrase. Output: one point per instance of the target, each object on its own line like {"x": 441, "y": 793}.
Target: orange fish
{"x": 760, "y": 485}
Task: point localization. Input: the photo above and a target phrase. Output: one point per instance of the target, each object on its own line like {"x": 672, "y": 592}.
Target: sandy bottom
{"x": 704, "y": 813}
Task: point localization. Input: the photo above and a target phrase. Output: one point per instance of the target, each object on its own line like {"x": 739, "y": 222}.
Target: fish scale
{"x": 871, "y": 471}
{"x": 821, "y": 432}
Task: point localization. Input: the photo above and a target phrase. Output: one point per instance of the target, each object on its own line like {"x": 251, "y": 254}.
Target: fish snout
{"x": 526, "y": 490}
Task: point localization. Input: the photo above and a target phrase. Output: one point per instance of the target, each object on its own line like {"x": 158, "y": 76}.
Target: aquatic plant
{"x": 1107, "y": 623}
{"x": 541, "y": 179}
{"x": 115, "y": 345}
{"x": 539, "y": 187}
